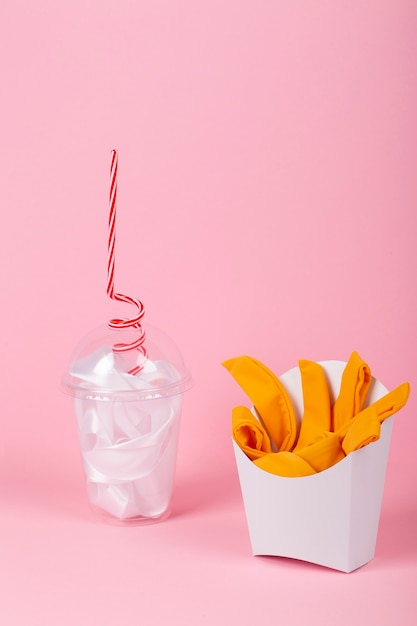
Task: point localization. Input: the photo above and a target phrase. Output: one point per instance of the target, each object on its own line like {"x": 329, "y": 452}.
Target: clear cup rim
{"x": 73, "y": 387}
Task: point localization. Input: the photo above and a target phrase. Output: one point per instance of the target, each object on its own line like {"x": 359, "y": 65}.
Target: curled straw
{"x": 119, "y": 323}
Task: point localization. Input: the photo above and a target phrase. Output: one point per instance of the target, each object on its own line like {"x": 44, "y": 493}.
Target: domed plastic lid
{"x": 98, "y": 372}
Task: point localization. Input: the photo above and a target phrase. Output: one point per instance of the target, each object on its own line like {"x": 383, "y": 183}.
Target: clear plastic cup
{"x": 128, "y": 423}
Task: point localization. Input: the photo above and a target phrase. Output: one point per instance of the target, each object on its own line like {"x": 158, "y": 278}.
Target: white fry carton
{"x": 330, "y": 518}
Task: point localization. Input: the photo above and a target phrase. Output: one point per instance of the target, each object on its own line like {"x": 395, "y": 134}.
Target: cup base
{"x": 138, "y": 520}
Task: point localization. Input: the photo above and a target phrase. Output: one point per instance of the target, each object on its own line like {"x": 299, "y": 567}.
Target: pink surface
{"x": 267, "y": 200}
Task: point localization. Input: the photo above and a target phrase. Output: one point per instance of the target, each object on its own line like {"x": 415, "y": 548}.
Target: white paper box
{"x": 330, "y": 518}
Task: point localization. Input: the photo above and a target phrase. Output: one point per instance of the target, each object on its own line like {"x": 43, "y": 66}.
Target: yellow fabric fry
{"x": 354, "y": 386}
{"x": 249, "y": 434}
{"x": 310, "y": 460}
{"x": 324, "y": 453}
{"x": 364, "y": 428}
{"x": 392, "y": 402}
{"x": 316, "y": 400}
{"x": 286, "y": 464}
{"x": 269, "y": 397}
{"x": 318, "y": 448}
{"x": 386, "y": 406}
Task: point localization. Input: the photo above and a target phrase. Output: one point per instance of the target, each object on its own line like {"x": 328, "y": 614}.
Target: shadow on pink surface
{"x": 202, "y": 493}
{"x": 207, "y": 499}
{"x": 58, "y": 492}
{"x": 41, "y": 492}
{"x": 397, "y": 541}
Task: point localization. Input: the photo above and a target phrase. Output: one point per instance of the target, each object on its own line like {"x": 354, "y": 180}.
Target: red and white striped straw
{"x": 116, "y": 323}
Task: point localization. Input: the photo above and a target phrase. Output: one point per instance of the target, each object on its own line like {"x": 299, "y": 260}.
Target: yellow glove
{"x": 269, "y": 397}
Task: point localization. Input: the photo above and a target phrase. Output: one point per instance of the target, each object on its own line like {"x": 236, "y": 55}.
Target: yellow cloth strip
{"x": 316, "y": 400}
{"x": 317, "y": 448}
{"x": 286, "y": 464}
{"x": 324, "y": 453}
{"x": 364, "y": 428}
{"x": 354, "y": 386}
{"x": 249, "y": 434}
{"x": 361, "y": 429}
{"x": 386, "y": 406}
{"x": 269, "y": 397}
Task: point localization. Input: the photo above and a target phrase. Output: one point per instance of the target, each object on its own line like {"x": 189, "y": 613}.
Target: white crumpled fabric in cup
{"x": 128, "y": 447}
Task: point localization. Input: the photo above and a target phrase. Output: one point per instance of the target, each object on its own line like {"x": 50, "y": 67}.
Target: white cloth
{"x": 128, "y": 447}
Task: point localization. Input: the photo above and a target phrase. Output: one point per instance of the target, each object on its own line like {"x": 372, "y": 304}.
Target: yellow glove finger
{"x": 249, "y": 434}
{"x": 286, "y": 464}
{"x": 269, "y": 398}
{"x": 356, "y": 379}
{"x": 316, "y": 400}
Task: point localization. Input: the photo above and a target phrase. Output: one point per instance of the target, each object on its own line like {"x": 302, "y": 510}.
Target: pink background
{"x": 267, "y": 206}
